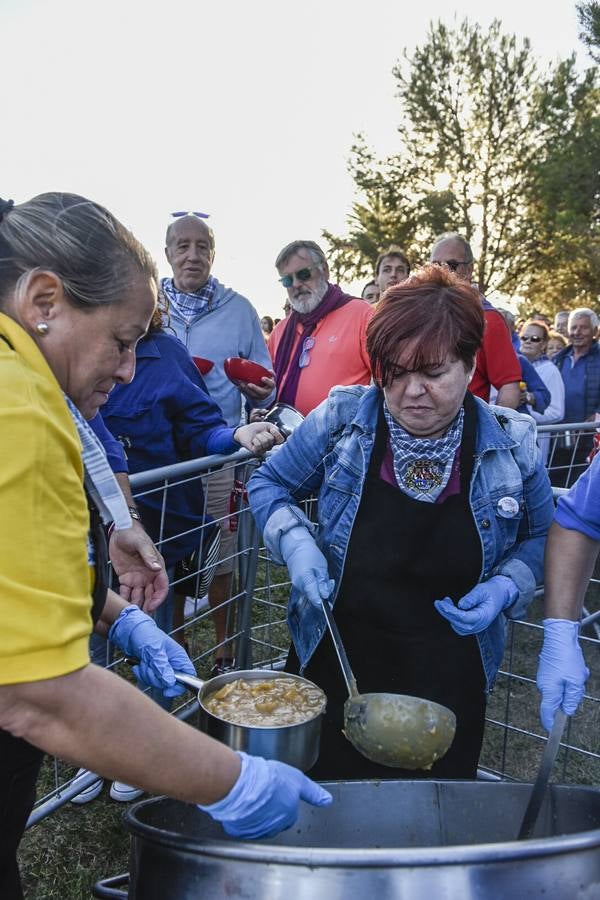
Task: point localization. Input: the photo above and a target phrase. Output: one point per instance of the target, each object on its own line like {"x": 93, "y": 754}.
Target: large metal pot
{"x": 297, "y": 745}
{"x": 425, "y": 840}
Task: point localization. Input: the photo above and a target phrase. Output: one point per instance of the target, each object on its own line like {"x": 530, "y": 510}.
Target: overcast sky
{"x": 245, "y": 110}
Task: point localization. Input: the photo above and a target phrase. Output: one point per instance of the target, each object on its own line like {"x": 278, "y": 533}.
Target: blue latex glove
{"x": 562, "y": 672}
{"x": 136, "y": 634}
{"x": 306, "y": 564}
{"x": 264, "y": 800}
{"x": 478, "y": 609}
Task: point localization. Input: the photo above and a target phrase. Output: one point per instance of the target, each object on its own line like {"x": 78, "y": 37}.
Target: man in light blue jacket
{"x": 215, "y": 322}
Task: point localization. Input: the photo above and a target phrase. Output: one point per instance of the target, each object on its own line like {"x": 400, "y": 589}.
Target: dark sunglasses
{"x": 451, "y": 264}
{"x": 302, "y": 275}
{"x": 534, "y": 338}
{"x": 186, "y": 212}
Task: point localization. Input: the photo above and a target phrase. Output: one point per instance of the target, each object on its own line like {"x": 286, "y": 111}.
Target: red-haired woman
{"x": 432, "y": 517}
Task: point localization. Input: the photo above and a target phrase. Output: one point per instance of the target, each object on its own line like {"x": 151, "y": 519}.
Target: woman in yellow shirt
{"x": 77, "y": 291}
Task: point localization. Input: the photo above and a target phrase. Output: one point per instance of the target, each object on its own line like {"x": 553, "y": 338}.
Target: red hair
{"x": 433, "y": 313}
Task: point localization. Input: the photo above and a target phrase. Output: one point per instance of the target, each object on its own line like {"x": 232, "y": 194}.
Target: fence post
{"x": 249, "y": 540}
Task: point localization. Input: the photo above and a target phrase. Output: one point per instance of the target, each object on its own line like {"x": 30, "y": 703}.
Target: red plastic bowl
{"x": 203, "y": 365}
{"x": 238, "y": 369}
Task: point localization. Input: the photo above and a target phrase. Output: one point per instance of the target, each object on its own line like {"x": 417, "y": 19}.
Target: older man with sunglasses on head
{"x": 496, "y": 363}
{"x": 214, "y": 322}
{"x": 323, "y": 342}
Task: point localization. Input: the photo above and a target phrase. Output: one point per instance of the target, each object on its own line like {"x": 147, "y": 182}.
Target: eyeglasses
{"x": 307, "y": 346}
{"x": 534, "y": 338}
{"x": 186, "y": 212}
{"x": 451, "y": 264}
{"x": 302, "y": 275}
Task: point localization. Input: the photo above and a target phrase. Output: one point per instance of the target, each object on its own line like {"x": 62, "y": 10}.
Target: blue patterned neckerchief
{"x": 189, "y": 306}
{"x": 99, "y": 479}
{"x": 423, "y": 466}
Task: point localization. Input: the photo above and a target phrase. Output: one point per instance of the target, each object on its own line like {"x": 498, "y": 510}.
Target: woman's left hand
{"x": 478, "y": 609}
{"x": 136, "y": 634}
{"x": 258, "y": 437}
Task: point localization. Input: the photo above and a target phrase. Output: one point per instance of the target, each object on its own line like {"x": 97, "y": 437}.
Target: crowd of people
{"x": 558, "y": 359}
{"x": 433, "y": 519}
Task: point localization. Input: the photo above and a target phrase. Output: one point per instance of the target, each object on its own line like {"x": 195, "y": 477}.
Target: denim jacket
{"x": 328, "y": 456}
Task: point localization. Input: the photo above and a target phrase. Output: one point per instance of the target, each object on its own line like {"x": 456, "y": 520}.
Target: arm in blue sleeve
{"x": 114, "y": 448}
{"x": 535, "y": 385}
{"x": 290, "y": 475}
{"x": 579, "y": 510}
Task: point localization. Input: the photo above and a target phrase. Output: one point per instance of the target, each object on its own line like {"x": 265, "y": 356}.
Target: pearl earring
{"x": 42, "y": 328}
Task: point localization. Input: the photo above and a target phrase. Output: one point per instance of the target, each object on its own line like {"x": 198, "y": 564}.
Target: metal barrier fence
{"x": 198, "y": 627}
{"x": 565, "y": 449}
{"x": 256, "y": 612}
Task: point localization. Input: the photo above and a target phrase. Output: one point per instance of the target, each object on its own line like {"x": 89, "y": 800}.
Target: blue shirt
{"x": 535, "y": 386}
{"x": 574, "y": 377}
{"x": 579, "y": 510}
{"x": 113, "y": 449}
{"x": 165, "y": 416}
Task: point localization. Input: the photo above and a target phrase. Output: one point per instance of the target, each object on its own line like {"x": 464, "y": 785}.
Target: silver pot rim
{"x": 339, "y": 857}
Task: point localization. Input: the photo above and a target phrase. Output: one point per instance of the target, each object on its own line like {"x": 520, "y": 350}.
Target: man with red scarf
{"x": 323, "y": 341}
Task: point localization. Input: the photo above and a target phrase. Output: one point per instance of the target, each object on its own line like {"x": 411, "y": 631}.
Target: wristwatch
{"x": 134, "y": 513}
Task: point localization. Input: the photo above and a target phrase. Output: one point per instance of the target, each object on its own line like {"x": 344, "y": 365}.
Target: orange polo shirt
{"x": 339, "y": 355}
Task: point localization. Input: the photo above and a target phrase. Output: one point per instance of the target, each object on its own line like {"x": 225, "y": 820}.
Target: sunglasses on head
{"x": 534, "y": 338}
{"x": 302, "y": 275}
{"x": 451, "y": 264}
{"x": 187, "y": 212}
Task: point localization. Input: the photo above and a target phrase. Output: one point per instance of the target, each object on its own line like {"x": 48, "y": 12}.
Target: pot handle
{"x": 189, "y": 680}
{"x": 182, "y": 677}
{"x": 106, "y": 886}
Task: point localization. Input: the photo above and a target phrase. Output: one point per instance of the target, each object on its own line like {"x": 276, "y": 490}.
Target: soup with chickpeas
{"x": 266, "y": 704}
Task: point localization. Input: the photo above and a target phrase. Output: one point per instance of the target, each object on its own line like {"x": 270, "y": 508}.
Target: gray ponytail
{"x": 81, "y": 242}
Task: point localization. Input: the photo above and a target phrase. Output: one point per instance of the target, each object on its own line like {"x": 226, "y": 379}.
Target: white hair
{"x": 583, "y": 311}
{"x": 457, "y": 238}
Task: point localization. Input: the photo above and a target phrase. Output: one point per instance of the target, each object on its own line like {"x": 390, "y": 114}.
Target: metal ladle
{"x": 392, "y": 729}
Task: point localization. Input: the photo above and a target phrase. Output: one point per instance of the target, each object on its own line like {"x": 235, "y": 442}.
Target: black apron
{"x": 403, "y": 555}
{"x": 20, "y": 761}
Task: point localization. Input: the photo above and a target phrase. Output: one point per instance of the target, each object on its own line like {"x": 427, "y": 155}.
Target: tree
{"x": 485, "y": 143}
{"x": 588, "y": 14}
{"x": 563, "y": 209}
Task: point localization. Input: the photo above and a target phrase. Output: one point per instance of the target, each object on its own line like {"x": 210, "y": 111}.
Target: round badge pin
{"x": 507, "y": 507}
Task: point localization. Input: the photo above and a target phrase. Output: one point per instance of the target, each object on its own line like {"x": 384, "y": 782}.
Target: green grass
{"x": 63, "y": 855}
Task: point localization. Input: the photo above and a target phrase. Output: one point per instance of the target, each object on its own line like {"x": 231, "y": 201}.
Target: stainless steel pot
{"x": 286, "y": 417}
{"x": 297, "y": 745}
{"x": 390, "y": 839}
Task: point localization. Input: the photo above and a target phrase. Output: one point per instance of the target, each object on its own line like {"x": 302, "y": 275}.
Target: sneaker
{"x": 222, "y": 665}
{"x": 124, "y": 793}
{"x": 194, "y": 605}
{"x": 89, "y": 793}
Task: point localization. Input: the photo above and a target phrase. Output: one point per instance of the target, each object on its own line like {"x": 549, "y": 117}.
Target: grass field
{"x": 63, "y": 855}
